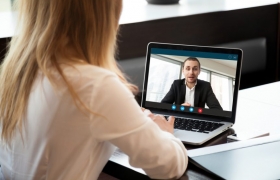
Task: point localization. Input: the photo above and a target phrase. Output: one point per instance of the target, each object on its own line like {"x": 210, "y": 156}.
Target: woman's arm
{"x": 157, "y": 152}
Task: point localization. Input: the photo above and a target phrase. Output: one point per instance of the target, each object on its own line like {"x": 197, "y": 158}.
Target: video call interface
{"x": 191, "y": 81}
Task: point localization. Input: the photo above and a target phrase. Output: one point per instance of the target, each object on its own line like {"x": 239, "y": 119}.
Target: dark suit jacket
{"x": 203, "y": 94}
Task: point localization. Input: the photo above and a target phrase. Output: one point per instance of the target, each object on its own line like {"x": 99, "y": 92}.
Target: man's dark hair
{"x": 191, "y": 59}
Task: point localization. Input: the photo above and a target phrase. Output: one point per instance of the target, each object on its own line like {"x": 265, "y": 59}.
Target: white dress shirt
{"x": 189, "y": 97}
{"x": 61, "y": 142}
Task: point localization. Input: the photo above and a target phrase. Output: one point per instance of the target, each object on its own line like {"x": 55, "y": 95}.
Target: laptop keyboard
{"x": 196, "y": 125}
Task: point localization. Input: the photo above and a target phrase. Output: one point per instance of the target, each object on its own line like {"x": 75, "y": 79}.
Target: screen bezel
{"x": 194, "y": 48}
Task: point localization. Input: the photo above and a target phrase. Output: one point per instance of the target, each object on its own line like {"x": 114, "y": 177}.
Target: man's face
{"x": 191, "y": 71}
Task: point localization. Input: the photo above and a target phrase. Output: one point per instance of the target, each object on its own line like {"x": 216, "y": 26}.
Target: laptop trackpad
{"x": 191, "y": 137}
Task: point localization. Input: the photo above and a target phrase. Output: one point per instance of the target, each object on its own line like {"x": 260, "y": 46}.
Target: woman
{"x": 65, "y": 105}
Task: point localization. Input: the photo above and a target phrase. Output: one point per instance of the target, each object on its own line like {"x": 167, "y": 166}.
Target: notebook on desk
{"x": 198, "y": 85}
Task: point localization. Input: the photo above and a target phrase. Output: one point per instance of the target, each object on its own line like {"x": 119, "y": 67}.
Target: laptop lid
{"x": 165, "y": 78}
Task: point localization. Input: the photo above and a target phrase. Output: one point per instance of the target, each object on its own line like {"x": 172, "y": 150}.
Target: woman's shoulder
{"x": 86, "y": 71}
{"x": 83, "y": 76}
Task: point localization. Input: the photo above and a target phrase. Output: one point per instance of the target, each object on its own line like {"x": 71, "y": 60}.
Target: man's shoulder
{"x": 203, "y": 83}
{"x": 179, "y": 81}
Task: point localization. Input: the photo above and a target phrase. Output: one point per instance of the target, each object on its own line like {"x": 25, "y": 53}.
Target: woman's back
{"x": 63, "y": 142}
{"x": 58, "y": 138}
{"x": 64, "y": 121}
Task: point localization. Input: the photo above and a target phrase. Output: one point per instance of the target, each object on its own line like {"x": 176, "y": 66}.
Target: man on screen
{"x": 191, "y": 91}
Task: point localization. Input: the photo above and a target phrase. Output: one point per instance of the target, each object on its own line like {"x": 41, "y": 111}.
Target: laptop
{"x": 198, "y": 85}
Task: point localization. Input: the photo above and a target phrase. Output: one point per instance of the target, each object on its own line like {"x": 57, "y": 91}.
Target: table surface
{"x": 258, "y": 108}
{"x": 139, "y": 11}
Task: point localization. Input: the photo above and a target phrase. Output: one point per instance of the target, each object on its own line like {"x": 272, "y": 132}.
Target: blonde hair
{"x": 51, "y": 30}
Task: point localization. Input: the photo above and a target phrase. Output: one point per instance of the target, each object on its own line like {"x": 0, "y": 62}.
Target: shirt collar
{"x": 192, "y": 87}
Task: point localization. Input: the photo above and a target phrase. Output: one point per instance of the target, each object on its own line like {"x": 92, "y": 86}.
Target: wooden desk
{"x": 258, "y": 108}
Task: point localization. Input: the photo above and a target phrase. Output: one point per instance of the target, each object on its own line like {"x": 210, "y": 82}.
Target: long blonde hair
{"x": 47, "y": 28}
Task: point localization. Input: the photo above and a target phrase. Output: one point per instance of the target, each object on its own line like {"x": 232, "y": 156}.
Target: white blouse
{"x": 63, "y": 142}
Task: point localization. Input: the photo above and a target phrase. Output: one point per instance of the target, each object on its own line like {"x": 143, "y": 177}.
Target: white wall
{"x": 215, "y": 66}
{"x": 225, "y": 67}
{"x": 5, "y": 5}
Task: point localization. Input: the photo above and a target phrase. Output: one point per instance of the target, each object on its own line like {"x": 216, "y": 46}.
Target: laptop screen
{"x": 191, "y": 80}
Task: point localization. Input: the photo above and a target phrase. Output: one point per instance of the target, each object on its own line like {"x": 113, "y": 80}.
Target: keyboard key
{"x": 196, "y": 125}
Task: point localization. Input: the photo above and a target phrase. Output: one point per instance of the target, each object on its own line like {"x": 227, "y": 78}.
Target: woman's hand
{"x": 165, "y": 125}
